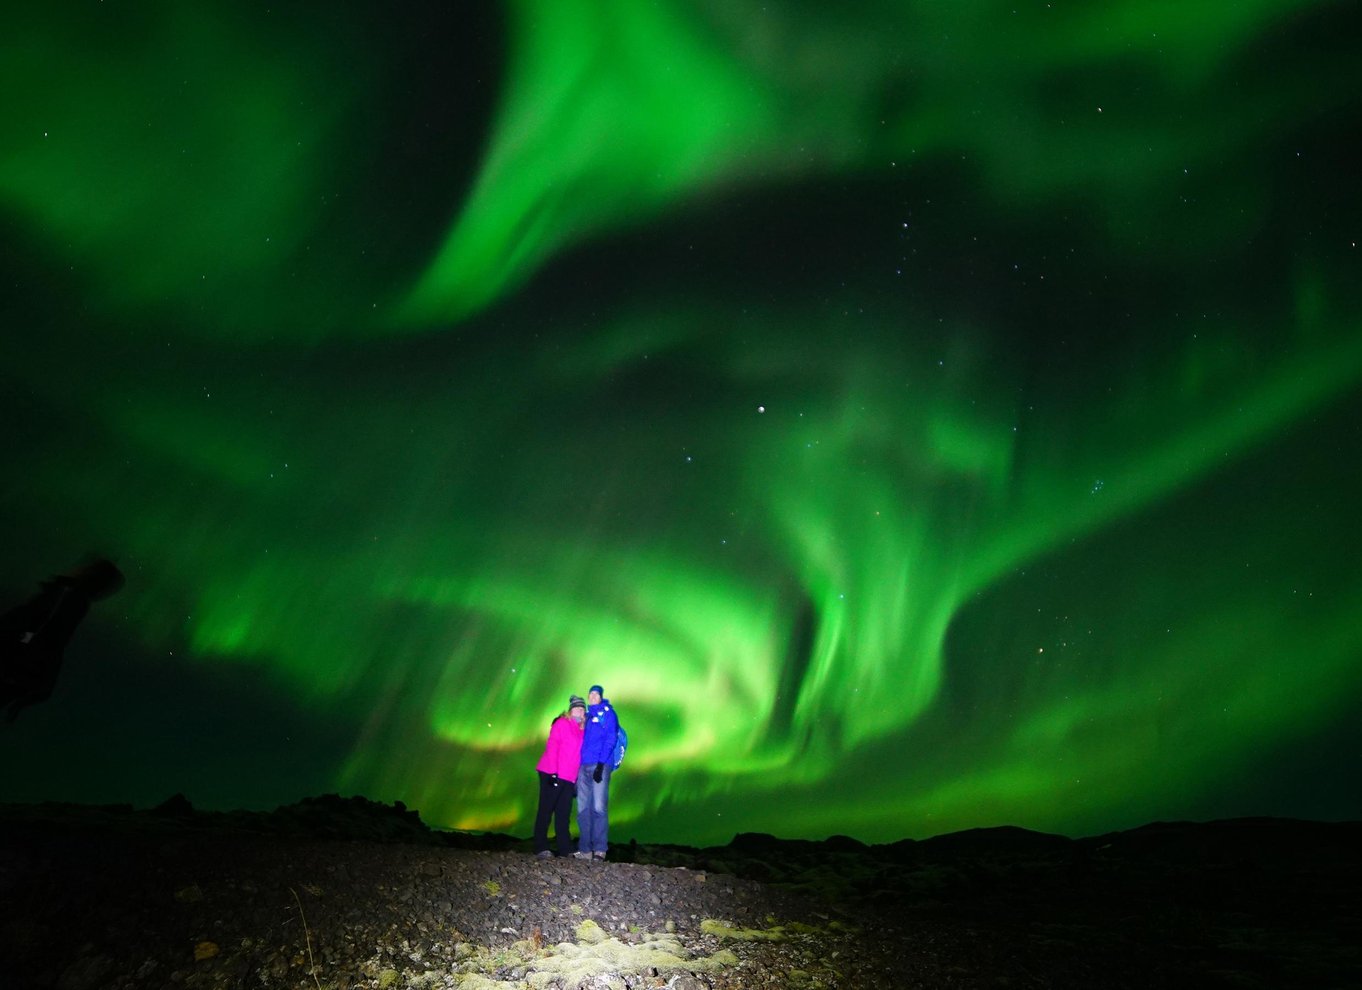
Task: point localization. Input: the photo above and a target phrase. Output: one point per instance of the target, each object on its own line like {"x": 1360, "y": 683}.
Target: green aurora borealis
{"x": 917, "y": 415}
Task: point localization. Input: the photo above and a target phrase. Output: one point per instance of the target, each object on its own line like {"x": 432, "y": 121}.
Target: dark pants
{"x": 555, "y": 801}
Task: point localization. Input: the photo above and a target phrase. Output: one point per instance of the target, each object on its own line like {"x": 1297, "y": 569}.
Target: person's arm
{"x": 564, "y": 750}
{"x": 554, "y": 748}
{"x": 605, "y": 742}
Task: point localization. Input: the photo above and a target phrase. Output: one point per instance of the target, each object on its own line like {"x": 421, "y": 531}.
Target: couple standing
{"x": 577, "y": 762}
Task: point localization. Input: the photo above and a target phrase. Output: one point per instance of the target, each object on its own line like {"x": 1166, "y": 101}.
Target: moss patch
{"x": 721, "y": 930}
{"x": 476, "y": 981}
{"x": 590, "y": 932}
{"x": 597, "y": 956}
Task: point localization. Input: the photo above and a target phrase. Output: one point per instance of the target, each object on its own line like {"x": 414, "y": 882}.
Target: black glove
{"x": 596, "y": 776}
{"x": 574, "y": 789}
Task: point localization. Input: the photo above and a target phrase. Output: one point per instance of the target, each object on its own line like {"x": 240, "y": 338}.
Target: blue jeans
{"x": 593, "y": 804}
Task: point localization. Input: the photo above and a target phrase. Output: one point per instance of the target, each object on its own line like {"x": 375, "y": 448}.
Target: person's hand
{"x": 574, "y": 789}
{"x": 596, "y": 776}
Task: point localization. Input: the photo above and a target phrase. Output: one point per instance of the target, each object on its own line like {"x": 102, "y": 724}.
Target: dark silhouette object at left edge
{"x": 34, "y": 634}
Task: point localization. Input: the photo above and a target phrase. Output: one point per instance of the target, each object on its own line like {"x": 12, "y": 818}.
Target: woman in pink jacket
{"x": 558, "y": 779}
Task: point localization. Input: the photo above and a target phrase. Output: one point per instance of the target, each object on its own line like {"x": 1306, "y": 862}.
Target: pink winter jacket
{"x": 563, "y": 752}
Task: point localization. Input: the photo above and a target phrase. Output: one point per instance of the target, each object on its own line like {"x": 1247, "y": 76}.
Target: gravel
{"x": 88, "y": 909}
{"x": 335, "y": 894}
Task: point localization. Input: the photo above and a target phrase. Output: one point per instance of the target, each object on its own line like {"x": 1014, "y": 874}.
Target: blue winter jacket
{"x": 598, "y": 744}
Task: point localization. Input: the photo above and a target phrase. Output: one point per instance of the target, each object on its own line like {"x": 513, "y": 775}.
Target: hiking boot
{"x": 581, "y": 855}
{"x": 598, "y": 855}
{"x": 543, "y": 854}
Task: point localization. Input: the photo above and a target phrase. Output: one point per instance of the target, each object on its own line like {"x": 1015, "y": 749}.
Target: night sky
{"x": 917, "y": 415}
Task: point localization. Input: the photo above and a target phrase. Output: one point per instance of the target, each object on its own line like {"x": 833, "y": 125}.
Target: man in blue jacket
{"x": 593, "y": 779}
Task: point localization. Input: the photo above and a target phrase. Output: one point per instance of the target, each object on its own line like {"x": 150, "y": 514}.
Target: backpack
{"x": 621, "y": 744}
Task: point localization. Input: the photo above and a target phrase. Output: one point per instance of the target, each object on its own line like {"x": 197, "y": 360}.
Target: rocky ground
{"x": 341, "y": 895}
